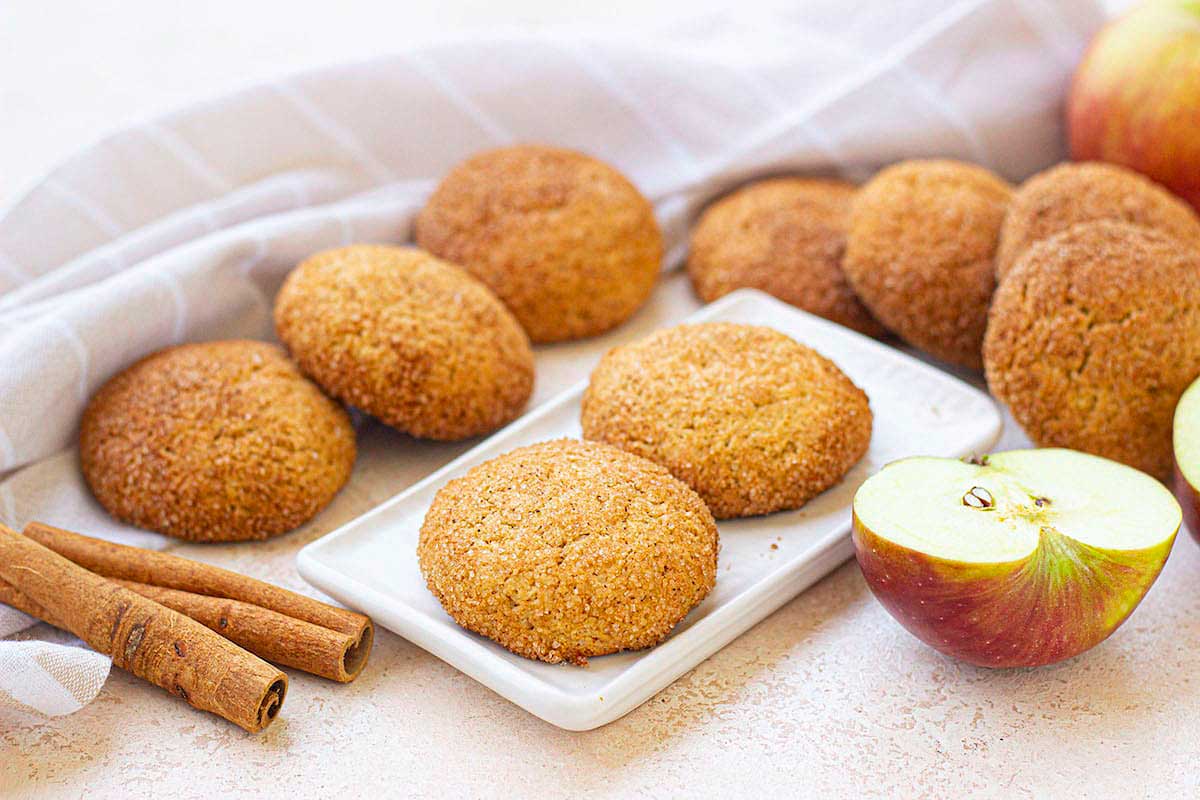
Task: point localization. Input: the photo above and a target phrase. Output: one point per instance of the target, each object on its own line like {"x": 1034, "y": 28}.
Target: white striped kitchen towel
{"x": 182, "y": 228}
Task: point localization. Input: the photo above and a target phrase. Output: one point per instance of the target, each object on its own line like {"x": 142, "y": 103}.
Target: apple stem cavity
{"x": 979, "y": 497}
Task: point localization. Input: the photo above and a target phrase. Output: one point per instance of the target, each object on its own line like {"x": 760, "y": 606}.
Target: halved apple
{"x": 1016, "y": 559}
{"x": 1186, "y": 436}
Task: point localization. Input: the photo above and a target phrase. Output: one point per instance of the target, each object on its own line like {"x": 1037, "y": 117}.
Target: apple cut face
{"x": 1018, "y": 559}
{"x": 1186, "y": 435}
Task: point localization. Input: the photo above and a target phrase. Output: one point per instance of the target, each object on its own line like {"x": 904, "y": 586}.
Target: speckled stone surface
{"x": 828, "y": 697}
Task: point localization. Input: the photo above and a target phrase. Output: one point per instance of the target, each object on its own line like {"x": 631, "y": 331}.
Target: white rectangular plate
{"x": 371, "y": 563}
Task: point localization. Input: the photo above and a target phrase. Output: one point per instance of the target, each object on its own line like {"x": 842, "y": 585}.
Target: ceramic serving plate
{"x": 371, "y": 563}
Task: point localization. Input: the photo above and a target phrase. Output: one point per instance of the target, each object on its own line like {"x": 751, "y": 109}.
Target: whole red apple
{"x": 1135, "y": 99}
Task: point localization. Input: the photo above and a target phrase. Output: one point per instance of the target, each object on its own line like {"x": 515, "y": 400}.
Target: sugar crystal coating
{"x": 565, "y": 240}
{"x": 1071, "y": 193}
{"x": 1092, "y": 338}
{"x": 564, "y": 550}
{"x": 219, "y": 441}
{"x": 752, "y": 420}
{"x": 786, "y": 237}
{"x": 408, "y": 338}
{"x": 920, "y": 250}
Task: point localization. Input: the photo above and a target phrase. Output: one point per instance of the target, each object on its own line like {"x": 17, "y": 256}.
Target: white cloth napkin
{"x": 48, "y": 678}
{"x": 181, "y": 229}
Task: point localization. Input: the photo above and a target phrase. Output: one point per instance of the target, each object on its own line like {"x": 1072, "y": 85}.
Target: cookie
{"x": 786, "y": 237}
{"x": 919, "y": 253}
{"x": 408, "y": 338}
{"x": 1092, "y": 338}
{"x": 1068, "y": 194}
{"x": 565, "y": 550}
{"x": 569, "y": 245}
{"x": 752, "y": 420}
{"x": 221, "y": 441}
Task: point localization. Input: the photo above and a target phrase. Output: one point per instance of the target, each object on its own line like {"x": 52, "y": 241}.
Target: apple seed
{"x": 978, "y": 497}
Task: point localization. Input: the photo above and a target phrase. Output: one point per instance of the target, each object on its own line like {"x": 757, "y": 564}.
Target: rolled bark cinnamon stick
{"x": 150, "y": 640}
{"x": 11, "y": 597}
{"x": 276, "y": 637}
{"x": 174, "y": 572}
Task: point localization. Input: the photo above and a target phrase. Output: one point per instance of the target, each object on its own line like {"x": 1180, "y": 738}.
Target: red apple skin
{"x": 1135, "y": 98}
{"x": 1064, "y": 598}
{"x": 1189, "y": 500}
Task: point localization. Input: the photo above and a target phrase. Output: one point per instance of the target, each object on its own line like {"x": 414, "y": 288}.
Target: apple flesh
{"x": 1186, "y": 436}
{"x": 1135, "y": 99}
{"x": 1018, "y": 559}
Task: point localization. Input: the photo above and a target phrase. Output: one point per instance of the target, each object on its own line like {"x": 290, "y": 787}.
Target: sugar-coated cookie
{"x": 752, "y": 420}
{"x": 220, "y": 441}
{"x": 1065, "y": 195}
{"x": 920, "y": 250}
{"x": 565, "y": 550}
{"x": 1092, "y": 338}
{"x": 408, "y": 338}
{"x": 783, "y": 236}
{"x": 565, "y": 240}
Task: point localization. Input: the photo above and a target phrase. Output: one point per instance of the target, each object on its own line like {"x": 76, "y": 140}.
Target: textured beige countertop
{"x": 827, "y": 697}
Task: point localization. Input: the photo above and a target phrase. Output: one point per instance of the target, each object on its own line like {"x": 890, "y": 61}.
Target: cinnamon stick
{"x": 276, "y": 637}
{"x": 150, "y": 640}
{"x": 11, "y": 597}
{"x": 174, "y": 572}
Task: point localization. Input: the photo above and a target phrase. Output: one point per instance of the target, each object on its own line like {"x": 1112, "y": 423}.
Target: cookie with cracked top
{"x": 920, "y": 253}
{"x": 1075, "y": 192}
{"x": 565, "y": 240}
{"x": 752, "y": 420}
{"x": 786, "y": 237}
{"x": 218, "y": 441}
{"x": 1093, "y": 336}
{"x": 565, "y": 550}
{"x": 408, "y": 338}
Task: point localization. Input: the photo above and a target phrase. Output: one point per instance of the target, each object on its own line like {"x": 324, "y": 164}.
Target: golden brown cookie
{"x": 565, "y": 550}
{"x": 752, "y": 420}
{"x": 919, "y": 253}
{"x": 220, "y": 441}
{"x": 1093, "y": 336}
{"x": 408, "y": 338}
{"x": 569, "y": 245}
{"x": 1070, "y": 193}
{"x": 786, "y": 237}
